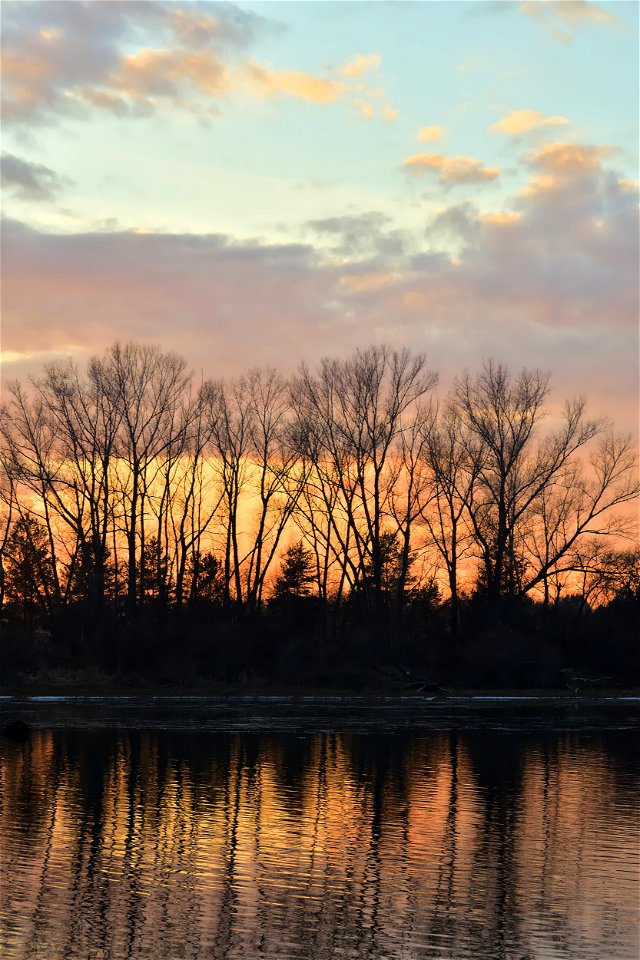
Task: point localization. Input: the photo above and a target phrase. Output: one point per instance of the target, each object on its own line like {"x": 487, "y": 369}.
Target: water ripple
{"x": 499, "y": 838}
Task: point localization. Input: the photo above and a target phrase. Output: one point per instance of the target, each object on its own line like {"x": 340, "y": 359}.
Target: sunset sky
{"x": 262, "y": 183}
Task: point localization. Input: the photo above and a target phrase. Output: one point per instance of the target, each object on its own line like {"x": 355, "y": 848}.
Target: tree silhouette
{"x": 296, "y": 574}
{"x": 28, "y": 568}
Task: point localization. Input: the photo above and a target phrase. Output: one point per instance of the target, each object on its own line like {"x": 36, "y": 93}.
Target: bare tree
{"x": 582, "y": 503}
{"x": 454, "y": 460}
{"x": 256, "y": 463}
{"x": 229, "y": 424}
{"x": 518, "y": 472}
{"x": 146, "y": 389}
{"x": 195, "y": 497}
{"x": 357, "y": 414}
{"x": 7, "y": 509}
{"x": 86, "y": 425}
{"x": 38, "y": 475}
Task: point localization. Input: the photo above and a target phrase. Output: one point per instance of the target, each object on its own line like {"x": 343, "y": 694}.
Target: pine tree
{"x": 296, "y": 575}
{"x": 28, "y": 571}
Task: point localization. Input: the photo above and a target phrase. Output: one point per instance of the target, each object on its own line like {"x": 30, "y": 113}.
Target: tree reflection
{"x": 158, "y": 845}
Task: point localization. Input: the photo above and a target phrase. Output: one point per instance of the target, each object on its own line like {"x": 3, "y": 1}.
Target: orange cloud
{"x": 452, "y": 170}
{"x": 538, "y": 185}
{"x": 565, "y": 16}
{"x": 431, "y": 134}
{"x": 569, "y": 159}
{"x": 501, "y": 219}
{"x": 267, "y": 82}
{"x": 557, "y": 164}
{"x": 365, "y": 282}
{"x": 366, "y": 109}
{"x": 361, "y": 63}
{"x": 63, "y": 58}
{"x": 150, "y": 73}
{"x": 25, "y": 81}
{"x": 523, "y": 121}
{"x": 107, "y": 58}
{"x": 190, "y": 27}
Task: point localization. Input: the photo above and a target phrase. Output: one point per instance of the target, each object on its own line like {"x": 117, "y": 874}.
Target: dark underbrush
{"x": 298, "y": 645}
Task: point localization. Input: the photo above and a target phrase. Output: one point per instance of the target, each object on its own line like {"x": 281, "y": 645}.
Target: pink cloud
{"x": 550, "y": 282}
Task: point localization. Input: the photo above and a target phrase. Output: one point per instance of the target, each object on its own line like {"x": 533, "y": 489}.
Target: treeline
{"x": 349, "y": 493}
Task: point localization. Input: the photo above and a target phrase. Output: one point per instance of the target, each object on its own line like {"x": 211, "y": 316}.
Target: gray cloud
{"x": 481, "y": 8}
{"x": 365, "y": 234}
{"x": 458, "y": 222}
{"x": 29, "y": 181}
{"x": 553, "y": 285}
{"x": 62, "y": 57}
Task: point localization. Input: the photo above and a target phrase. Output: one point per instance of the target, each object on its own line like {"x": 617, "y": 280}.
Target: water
{"x": 191, "y": 828}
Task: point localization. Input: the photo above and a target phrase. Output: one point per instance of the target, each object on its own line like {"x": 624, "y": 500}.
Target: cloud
{"x": 457, "y": 222}
{"x": 209, "y": 23}
{"x": 548, "y": 280}
{"x": 136, "y": 58}
{"x": 361, "y": 63}
{"x": 565, "y": 17}
{"x": 501, "y": 219}
{"x": 431, "y": 134}
{"x": 203, "y": 285}
{"x": 557, "y": 167}
{"x": 366, "y": 282}
{"x": 161, "y": 72}
{"x": 267, "y": 82}
{"x": 355, "y": 68}
{"x": 451, "y": 170}
{"x": 133, "y": 57}
{"x": 29, "y": 181}
{"x": 567, "y": 159}
{"x": 523, "y": 121}
{"x": 60, "y": 58}
{"x": 366, "y": 235}
{"x": 366, "y": 109}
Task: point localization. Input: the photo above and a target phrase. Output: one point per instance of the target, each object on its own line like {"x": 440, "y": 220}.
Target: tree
{"x": 454, "y": 461}
{"x": 148, "y": 390}
{"x": 29, "y": 568}
{"x": 583, "y": 501}
{"x": 36, "y": 474}
{"x": 86, "y": 425}
{"x": 600, "y": 575}
{"x": 500, "y": 414}
{"x": 296, "y": 574}
{"x": 154, "y": 572}
{"x": 353, "y": 417}
{"x": 205, "y": 578}
{"x": 255, "y": 461}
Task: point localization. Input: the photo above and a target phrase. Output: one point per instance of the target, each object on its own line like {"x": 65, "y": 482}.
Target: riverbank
{"x": 305, "y": 715}
{"x": 73, "y": 686}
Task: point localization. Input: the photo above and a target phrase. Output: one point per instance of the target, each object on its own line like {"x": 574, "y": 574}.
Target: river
{"x": 167, "y": 828}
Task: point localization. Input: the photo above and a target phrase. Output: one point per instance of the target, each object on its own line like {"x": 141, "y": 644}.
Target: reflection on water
{"x": 446, "y": 844}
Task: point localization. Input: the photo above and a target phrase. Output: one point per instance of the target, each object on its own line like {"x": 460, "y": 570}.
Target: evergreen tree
{"x": 29, "y": 574}
{"x": 296, "y": 575}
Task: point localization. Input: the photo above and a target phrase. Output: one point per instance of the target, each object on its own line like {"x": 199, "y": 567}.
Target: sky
{"x": 267, "y": 183}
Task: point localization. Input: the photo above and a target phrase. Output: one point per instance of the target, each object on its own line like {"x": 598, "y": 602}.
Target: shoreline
{"x": 44, "y": 694}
